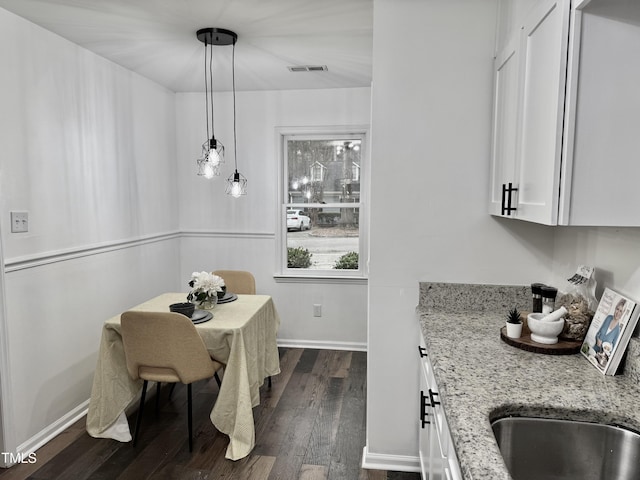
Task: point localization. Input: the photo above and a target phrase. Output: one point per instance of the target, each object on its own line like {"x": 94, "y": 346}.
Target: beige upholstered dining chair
{"x": 238, "y": 281}
{"x": 165, "y": 347}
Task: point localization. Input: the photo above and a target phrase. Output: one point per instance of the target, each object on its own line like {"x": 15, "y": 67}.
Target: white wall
{"x": 4, "y": 361}
{"x": 226, "y": 233}
{"x": 615, "y": 252}
{"x": 431, "y": 116}
{"x": 88, "y": 149}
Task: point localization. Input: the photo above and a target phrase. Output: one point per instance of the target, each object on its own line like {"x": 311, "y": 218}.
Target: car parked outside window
{"x": 297, "y": 220}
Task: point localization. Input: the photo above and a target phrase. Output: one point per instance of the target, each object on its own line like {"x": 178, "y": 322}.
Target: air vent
{"x": 308, "y": 68}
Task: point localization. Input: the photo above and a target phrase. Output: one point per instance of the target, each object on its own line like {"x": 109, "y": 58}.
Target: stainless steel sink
{"x": 545, "y": 449}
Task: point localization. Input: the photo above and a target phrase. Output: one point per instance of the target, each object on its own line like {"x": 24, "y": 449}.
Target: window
{"x": 322, "y": 207}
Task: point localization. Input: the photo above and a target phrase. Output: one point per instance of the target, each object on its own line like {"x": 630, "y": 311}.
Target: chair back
{"x": 161, "y": 345}
{"x": 238, "y": 281}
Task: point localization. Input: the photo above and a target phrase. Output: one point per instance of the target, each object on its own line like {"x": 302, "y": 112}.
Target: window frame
{"x": 341, "y": 132}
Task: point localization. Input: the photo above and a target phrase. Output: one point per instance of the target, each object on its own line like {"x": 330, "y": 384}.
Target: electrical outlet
{"x": 317, "y": 310}
{"x": 19, "y": 222}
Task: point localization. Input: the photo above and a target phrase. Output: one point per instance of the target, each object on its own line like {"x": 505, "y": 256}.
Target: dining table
{"x": 241, "y": 335}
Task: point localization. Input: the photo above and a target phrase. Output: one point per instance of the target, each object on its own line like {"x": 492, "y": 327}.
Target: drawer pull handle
{"x": 432, "y": 395}
{"x": 424, "y": 414}
{"x": 422, "y": 351}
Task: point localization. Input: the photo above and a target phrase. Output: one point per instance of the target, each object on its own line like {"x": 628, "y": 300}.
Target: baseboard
{"x": 322, "y": 345}
{"x": 50, "y": 432}
{"x": 395, "y": 463}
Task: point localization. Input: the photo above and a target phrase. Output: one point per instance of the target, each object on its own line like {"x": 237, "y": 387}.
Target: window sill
{"x": 310, "y": 278}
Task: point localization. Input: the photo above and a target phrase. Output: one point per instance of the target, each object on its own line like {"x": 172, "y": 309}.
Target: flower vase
{"x": 208, "y": 304}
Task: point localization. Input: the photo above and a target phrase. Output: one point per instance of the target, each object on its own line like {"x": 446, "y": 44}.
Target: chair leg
{"x": 189, "y": 417}
{"x": 217, "y": 379}
{"x": 139, "y": 415}
{"x": 269, "y": 382}
{"x": 157, "y": 398}
{"x": 173, "y": 387}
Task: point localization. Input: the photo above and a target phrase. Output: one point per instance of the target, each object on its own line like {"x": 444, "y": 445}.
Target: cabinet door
{"x": 425, "y": 410}
{"x": 424, "y": 427}
{"x": 438, "y": 460}
{"x": 505, "y": 120}
{"x": 543, "y": 57}
{"x": 601, "y": 144}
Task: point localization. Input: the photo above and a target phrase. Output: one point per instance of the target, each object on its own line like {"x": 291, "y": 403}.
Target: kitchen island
{"x": 481, "y": 378}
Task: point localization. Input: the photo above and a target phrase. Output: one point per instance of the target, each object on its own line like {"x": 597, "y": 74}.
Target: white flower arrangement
{"x": 204, "y": 287}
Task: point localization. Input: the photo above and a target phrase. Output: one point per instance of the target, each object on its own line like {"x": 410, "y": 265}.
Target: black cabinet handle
{"x": 424, "y": 414}
{"x": 422, "y": 351}
{"x": 506, "y": 198}
{"x": 432, "y": 394}
{"x": 503, "y": 204}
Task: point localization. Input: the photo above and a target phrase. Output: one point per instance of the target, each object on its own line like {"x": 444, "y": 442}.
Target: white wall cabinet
{"x": 565, "y": 120}
{"x": 530, "y": 76}
{"x": 438, "y": 459}
{"x": 600, "y": 170}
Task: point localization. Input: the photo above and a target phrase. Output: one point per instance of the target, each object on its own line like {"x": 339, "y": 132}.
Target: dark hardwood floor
{"x": 309, "y": 426}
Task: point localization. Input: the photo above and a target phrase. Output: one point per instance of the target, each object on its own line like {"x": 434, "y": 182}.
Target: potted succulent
{"x": 514, "y": 323}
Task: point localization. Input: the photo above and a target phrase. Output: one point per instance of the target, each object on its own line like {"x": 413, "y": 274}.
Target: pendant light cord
{"x": 206, "y": 90}
{"x": 213, "y": 130}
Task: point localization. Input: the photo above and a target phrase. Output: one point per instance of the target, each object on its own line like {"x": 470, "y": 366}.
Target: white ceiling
{"x": 157, "y": 38}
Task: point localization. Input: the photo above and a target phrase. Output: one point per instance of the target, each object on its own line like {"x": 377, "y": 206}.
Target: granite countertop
{"x": 481, "y": 378}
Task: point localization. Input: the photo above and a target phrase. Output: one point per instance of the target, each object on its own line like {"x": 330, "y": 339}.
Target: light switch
{"x": 19, "y": 222}
{"x": 317, "y": 310}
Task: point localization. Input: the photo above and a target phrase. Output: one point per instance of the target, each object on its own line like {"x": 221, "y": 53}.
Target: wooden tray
{"x": 563, "y": 347}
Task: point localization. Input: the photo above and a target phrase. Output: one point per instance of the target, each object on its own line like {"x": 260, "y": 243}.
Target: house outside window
{"x": 317, "y": 172}
{"x": 322, "y": 209}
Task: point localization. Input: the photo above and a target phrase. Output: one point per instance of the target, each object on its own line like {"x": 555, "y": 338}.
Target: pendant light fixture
{"x": 212, "y": 148}
{"x": 236, "y": 183}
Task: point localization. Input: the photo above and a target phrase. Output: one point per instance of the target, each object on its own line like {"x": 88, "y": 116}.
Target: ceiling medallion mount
{"x": 217, "y": 36}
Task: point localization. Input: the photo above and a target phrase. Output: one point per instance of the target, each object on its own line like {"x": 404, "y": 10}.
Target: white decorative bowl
{"x": 544, "y": 332}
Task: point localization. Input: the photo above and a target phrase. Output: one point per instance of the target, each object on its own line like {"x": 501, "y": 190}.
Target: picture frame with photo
{"x": 610, "y": 330}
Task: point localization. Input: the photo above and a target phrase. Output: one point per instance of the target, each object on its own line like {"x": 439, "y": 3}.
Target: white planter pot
{"x": 514, "y": 330}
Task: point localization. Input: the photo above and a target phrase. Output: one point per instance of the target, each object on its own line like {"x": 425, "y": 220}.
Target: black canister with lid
{"x": 548, "y": 299}
{"x": 536, "y": 294}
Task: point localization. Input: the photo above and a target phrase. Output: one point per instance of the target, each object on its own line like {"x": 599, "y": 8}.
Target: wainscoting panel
{"x": 55, "y": 307}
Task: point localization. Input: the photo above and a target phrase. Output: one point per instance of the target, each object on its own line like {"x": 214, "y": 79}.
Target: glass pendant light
{"x": 236, "y": 183}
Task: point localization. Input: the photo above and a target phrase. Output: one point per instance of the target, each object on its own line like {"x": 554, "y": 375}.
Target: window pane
{"x": 323, "y": 171}
{"x": 323, "y": 238}
{"x": 322, "y": 194}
